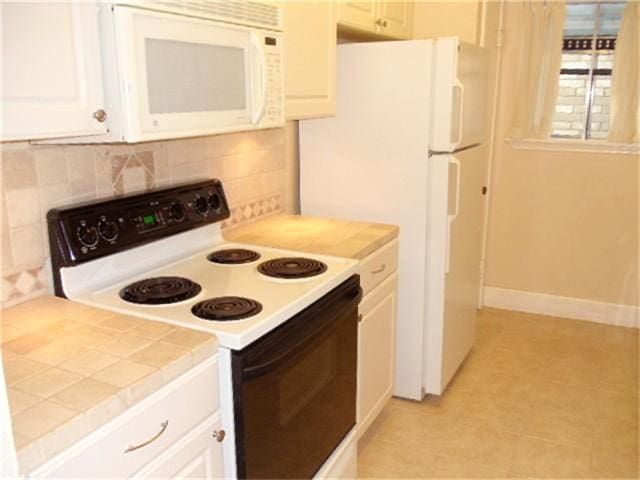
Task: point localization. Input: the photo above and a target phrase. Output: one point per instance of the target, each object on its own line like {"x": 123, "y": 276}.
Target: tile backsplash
{"x": 35, "y": 178}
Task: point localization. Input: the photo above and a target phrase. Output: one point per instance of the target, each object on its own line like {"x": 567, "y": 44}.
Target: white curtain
{"x": 541, "y": 27}
{"x": 625, "y": 87}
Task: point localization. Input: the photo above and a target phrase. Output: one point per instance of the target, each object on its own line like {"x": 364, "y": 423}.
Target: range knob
{"x": 214, "y": 201}
{"x": 176, "y": 211}
{"x": 88, "y": 236}
{"x": 202, "y": 206}
{"x": 108, "y": 230}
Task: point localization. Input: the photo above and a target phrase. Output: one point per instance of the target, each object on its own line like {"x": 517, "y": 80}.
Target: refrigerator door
{"x": 369, "y": 163}
{"x": 459, "y": 106}
{"x": 456, "y": 205}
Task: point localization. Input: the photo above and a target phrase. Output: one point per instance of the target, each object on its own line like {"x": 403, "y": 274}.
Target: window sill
{"x": 589, "y": 146}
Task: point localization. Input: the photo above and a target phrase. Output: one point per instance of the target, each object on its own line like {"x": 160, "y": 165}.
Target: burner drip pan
{"x": 233, "y": 256}
{"x": 160, "y": 290}
{"x": 292, "y": 267}
{"x": 226, "y": 308}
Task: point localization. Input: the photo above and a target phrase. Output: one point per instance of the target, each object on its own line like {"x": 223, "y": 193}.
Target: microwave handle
{"x": 258, "y": 54}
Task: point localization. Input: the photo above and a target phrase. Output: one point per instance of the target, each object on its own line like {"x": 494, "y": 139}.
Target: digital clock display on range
{"x": 149, "y": 220}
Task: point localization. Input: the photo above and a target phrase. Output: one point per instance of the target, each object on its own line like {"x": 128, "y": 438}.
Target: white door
{"x": 455, "y": 240}
{"x": 459, "y": 106}
{"x": 361, "y": 15}
{"x": 197, "y": 456}
{"x": 376, "y": 347}
{"x": 51, "y": 76}
{"x": 310, "y": 87}
{"x": 397, "y": 19}
{"x": 456, "y": 208}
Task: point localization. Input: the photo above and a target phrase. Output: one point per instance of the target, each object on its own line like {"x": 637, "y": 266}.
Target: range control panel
{"x": 84, "y": 232}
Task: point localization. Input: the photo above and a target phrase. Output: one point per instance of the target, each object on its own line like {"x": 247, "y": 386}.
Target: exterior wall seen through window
{"x": 584, "y": 93}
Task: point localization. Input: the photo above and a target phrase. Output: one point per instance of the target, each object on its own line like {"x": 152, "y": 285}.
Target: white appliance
{"x": 286, "y": 322}
{"x": 178, "y": 69}
{"x": 406, "y": 147}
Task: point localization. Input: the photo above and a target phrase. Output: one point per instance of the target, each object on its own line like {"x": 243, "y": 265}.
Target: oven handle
{"x": 273, "y": 363}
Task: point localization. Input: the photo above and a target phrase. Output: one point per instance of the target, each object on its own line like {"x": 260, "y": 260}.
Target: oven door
{"x": 184, "y": 76}
{"x": 295, "y": 389}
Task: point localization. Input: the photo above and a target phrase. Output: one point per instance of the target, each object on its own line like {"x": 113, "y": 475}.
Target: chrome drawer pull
{"x": 381, "y": 269}
{"x": 164, "y": 426}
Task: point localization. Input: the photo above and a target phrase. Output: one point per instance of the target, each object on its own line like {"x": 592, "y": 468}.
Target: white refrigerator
{"x": 408, "y": 146}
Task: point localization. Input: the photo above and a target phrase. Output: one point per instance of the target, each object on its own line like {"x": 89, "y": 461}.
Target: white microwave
{"x": 183, "y": 69}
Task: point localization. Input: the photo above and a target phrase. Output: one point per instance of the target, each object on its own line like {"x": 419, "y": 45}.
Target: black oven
{"x": 295, "y": 389}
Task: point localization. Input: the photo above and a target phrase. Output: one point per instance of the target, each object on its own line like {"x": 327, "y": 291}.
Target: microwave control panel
{"x": 274, "y": 101}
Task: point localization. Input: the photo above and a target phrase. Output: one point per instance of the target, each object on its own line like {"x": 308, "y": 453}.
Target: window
{"x": 583, "y": 105}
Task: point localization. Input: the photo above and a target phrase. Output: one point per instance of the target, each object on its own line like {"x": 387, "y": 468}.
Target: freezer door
{"x": 460, "y": 93}
{"x": 457, "y": 207}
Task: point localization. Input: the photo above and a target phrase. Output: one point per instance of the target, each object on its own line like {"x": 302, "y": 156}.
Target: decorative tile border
{"x": 255, "y": 209}
{"x": 23, "y": 285}
{"x": 124, "y": 168}
{"x": 250, "y": 163}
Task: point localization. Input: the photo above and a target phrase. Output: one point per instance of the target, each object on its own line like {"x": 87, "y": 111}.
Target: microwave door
{"x": 259, "y": 65}
{"x": 186, "y": 76}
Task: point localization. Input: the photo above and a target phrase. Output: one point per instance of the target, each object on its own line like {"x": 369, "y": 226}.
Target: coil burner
{"x": 233, "y": 256}
{"x": 226, "y": 308}
{"x": 160, "y": 290}
{"x": 292, "y": 267}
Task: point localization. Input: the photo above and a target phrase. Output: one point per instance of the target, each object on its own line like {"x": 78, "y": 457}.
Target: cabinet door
{"x": 309, "y": 59}
{"x": 51, "y": 76}
{"x": 376, "y": 351}
{"x": 198, "y": 455}
{"x": 359, "y": 15}
{"x": 396, "y": 19}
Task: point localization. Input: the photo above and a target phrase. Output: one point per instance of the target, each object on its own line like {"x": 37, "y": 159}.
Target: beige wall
{"x": 256, "y": 168}
{"x": 292, "y": 168}
{"x": 437, "y": 19}
{"x": 561, "y": 223}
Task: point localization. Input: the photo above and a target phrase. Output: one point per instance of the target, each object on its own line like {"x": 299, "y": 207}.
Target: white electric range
{"x": 281, "y": 317}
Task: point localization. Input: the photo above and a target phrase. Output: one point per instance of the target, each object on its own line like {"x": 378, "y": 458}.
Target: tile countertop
{"x": 71, "y": 368}
{"x": 322, "y": 236}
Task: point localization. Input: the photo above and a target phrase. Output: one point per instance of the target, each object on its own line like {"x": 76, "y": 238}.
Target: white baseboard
{"x": 569, "y": 307}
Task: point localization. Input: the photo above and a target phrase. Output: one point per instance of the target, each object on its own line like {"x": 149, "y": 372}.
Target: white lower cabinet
{"x": 376, "y": 336}
{"x": 197, "y": 455}
{"x": 171, "y": 433}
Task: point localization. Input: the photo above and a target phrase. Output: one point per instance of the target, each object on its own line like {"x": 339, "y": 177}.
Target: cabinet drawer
{"x": 378, "y": 266}
{"x": 183, "y": 403}
{"x": 197, "y": 455}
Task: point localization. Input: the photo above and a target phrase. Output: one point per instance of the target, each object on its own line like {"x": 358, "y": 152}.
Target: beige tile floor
{"x": 538, "y": 397}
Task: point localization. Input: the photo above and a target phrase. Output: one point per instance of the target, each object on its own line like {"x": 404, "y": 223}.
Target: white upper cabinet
{"x": 51, "y": 76}
{"x": 384, "y": 18}
{"x": 396, "y": 19}
{"x": 359, "y": 15}
{"x": 309, "y": 59}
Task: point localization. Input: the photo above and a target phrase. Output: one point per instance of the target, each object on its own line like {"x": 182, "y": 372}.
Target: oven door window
{"x": 298, "y": 402}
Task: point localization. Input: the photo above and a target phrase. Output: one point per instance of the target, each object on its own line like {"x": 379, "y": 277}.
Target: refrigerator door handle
{"x": 452, "y": 216}
{"x": 458, "y": 96}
